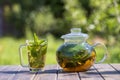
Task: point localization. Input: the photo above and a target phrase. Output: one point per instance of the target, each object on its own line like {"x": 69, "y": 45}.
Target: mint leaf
{"x": 35, "y": 38}
{"x": 37, "y": 41}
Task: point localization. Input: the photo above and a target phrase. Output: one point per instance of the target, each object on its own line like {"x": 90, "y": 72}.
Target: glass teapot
{"x": 76, "y": 54}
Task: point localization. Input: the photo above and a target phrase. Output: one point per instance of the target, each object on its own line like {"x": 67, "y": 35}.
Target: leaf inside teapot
{"x": 75, "y": 57}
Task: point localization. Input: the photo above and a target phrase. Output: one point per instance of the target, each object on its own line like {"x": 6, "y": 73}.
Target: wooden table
{"x": 52, "y": 72}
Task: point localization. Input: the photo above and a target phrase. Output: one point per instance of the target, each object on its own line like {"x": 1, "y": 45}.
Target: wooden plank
{"x": 67, "y": 75}
{"x": 116, "y": 67}
{"x": 49, "y": 73}
{"x": 8, "y": 72}
{"x": 2, "y": 68}
{"x": 97, "y": 72}
{"x": 107, "y": 72}
{"x": 91, "y": 74}
{"x": 24, "y": 74}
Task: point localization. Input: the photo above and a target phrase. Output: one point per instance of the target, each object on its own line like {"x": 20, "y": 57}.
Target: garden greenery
{"x": 97, "y": 17}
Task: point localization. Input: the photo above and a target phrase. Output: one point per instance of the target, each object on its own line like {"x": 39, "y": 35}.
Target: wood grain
{"x": 67, "y": 75}
{"x": 107, "y": 72}
{"x": 91, "y": 74}
{"x": 8, "y": 72}
{"x": 116, "y": 67}
{"x": 54, "y": 72}
{"x": 24, "y": 74}
{"x": 49, "y": 73}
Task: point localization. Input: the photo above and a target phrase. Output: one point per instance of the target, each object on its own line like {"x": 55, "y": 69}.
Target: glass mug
{"x": 36, "y": 55}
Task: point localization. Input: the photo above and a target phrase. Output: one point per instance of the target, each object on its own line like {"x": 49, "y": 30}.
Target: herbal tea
{"x": 36, "y": 50}
{"x": 36, "y": 55}
{"x": 70, "y": 58}
{"x": 75, "y": 54}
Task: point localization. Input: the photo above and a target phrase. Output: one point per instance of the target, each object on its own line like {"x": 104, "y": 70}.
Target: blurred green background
{"x": 50, "y": 19}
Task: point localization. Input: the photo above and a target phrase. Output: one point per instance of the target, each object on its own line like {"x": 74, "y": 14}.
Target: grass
{"x": 9, "y": 53}
{"x": 9, "y": 50}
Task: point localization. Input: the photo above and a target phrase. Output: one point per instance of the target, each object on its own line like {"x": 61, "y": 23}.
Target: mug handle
{"x": 105, "y": 54}
{"x": 21, "y": 56}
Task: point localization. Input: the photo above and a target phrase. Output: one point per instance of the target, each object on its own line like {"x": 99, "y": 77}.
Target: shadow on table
{"x": 27, "y": 71}
{"x": 14, "y": 72}
{"x": 103, "y": 72}
{"x": 60, "y": 71}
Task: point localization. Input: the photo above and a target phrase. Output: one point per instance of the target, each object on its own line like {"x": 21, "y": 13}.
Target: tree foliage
{"x": 97, "y": 17}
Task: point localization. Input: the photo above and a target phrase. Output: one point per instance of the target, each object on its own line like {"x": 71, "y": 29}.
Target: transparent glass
{"x": 75, "y": 54}
{"x": 36, "y": 55}
{"x": 76, "y": 57}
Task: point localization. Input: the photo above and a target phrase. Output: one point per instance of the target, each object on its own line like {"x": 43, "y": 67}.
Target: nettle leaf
{"x": 33, "y": 51}
{"x": 38, "y": 47}
{"x": 35, "y": 39}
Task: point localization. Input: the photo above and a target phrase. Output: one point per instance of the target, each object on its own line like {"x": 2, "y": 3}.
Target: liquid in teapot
{"x": 75, "y": 54}
{"x": 73, "y": 57}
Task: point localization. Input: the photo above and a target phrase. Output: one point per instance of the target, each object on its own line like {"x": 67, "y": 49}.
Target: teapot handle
{"x": 105, "y": 54}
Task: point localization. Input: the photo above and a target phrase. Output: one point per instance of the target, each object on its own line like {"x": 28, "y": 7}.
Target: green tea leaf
{"x": 35, "y": 39}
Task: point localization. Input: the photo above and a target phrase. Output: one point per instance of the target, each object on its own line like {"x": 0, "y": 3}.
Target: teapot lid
{"x": 75, "y": 34}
